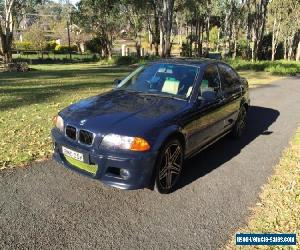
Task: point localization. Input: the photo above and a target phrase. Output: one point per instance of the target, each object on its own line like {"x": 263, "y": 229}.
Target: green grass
{"x": 28, "y": 101}
{"x": 281, "y": 67}
{"x": 279, "y": 207}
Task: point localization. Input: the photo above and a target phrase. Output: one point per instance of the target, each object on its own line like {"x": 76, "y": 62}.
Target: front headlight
{"x": 114, "y": 141}
{"x": 58, "y": 122}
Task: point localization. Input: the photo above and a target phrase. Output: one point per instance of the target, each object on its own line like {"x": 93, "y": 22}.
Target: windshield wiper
{"x": 161, "y": 95}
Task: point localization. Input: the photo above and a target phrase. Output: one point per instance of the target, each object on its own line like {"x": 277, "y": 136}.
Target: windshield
{"x": 162, "y": 79}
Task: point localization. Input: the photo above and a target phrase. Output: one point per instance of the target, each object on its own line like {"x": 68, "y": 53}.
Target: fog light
{"x": 124, "y": 173}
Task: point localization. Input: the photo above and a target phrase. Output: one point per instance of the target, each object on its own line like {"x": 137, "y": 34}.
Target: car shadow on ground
{"x": 259, "y": 120}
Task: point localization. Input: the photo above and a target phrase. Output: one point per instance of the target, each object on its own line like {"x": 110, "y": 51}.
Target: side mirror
{"x": 117, "y": 82}
{"x": 217, "y": 89}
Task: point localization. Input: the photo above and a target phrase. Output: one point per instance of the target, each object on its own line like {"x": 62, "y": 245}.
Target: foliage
{"x": 51, "y": 45}
{"x": 278, "y": 67}
{"x": 23, "y": 45}
{"x": 94, "y": 45}
{"x": 12, "y": 11}
{"x": 62, "y": 49}
{"x": 16, "y": 67}
{"x": 36, "y": 36}
{"x": 100, "y": 17}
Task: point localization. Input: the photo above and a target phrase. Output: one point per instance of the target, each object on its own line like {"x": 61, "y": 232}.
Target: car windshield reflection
{"x": 169, "y": 80}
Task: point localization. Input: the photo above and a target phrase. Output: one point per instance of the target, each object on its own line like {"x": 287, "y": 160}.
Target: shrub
{"x": 23, "y": 45}
{"x": 16, "y": 67}
{"x": 94, "y": 45}
{"x": 277, "y": 67}
{"x": 125, "y": 60}
{"x": 62, "y": 49}
{"x": 51, "y": 46}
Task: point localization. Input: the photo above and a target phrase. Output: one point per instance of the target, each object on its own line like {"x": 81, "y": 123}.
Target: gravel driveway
{"x": 46, "y": 206}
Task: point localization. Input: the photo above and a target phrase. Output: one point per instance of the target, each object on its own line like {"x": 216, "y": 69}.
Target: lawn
{"x": 279, "y": 207}
{"x": 28, "y": 101}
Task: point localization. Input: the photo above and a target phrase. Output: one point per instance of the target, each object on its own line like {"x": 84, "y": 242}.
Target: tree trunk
{"x": 191, "y": 41}
{"x": 156, "y": 33}
{"x": 207, "y": 35}
{"x": 162, "y": 43}
{"x": 6, "y": 34}
{"x": 298, "y": 52}
{"x": 200, "y": 46}
{"x": 6, "y": 44}
{"x": 138, "y": 48}
{"x": 218, "y": 40}
{"x": 248, "y": 32}
{"x": 166, "y": 23}
{"x": 234, "y": 45}
{"x": 275, "y": 34}
{"x": 285, "y": 49}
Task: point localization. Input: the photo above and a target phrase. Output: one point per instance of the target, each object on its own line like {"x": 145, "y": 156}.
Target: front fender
{"x": 165, "y": 134}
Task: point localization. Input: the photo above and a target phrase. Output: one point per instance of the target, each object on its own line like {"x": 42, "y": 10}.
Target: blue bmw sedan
{"x": 138, "y": 134}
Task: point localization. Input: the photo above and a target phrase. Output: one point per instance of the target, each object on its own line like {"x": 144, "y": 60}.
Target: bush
{"x": 94, "y": 45}
{"x": 23, "y": 45}
{"x": 125, "y": 60}
{"x": 51, "y": 46}
{"x": 277, "y": 67}
{"x": 16, "y": 67}
{"x": 62, "y": 49}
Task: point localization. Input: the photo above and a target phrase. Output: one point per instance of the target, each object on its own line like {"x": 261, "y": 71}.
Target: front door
{"x": 207, "y": 118}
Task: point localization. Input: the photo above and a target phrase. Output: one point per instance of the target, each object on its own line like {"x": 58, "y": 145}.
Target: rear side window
{"x": 228, "y": 76}
{"x": 211, "y": 77}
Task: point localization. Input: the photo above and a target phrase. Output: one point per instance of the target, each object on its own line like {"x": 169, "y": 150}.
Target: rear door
{"x": 231, "y": 90}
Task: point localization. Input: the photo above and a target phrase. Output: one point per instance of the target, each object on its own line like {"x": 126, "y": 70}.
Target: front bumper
{"x": 139, "y": 165}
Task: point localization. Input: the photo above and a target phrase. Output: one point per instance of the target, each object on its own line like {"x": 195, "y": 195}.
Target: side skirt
{"x": 197, "y": 151}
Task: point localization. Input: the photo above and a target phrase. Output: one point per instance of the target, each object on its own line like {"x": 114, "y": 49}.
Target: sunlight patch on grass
{"x": 279, "y": 207}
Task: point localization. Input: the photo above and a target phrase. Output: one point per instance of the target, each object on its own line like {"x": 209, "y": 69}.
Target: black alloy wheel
{"x": 169, "y": 167}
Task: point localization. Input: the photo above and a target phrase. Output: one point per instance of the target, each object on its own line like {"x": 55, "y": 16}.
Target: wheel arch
{"x": 245, "y": 104}
{"x": 169, "y": 133}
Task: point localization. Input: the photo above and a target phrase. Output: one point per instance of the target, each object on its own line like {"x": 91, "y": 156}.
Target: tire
{"x": 168, "y": 167}
{"x": 240, "y": 124}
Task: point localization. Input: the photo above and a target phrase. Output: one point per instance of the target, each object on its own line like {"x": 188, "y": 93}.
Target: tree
{"x": 276, "y": 14}
{"x": 290, "y": 28}
{"x": 36, "y": 36}
{"x": 259, "y": 14}
{"x": 133, "y": 11}
{"x": 102, "y": 19}
{"x": 166, "y": 22}
{"x": 13, "y": 11}
{"x": 6, "y": 30}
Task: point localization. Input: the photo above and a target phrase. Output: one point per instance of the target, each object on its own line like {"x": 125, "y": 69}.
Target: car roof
{"x": 187, "y": 61}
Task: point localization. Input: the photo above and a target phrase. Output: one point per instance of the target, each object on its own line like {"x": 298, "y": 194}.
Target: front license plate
{"x": 73, "y": 154}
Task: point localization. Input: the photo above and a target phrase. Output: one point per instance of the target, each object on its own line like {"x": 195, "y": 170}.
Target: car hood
{"x": 122, "y": 112}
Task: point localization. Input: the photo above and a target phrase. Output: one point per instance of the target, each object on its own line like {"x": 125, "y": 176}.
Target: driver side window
{"x": 210, "y": 83}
